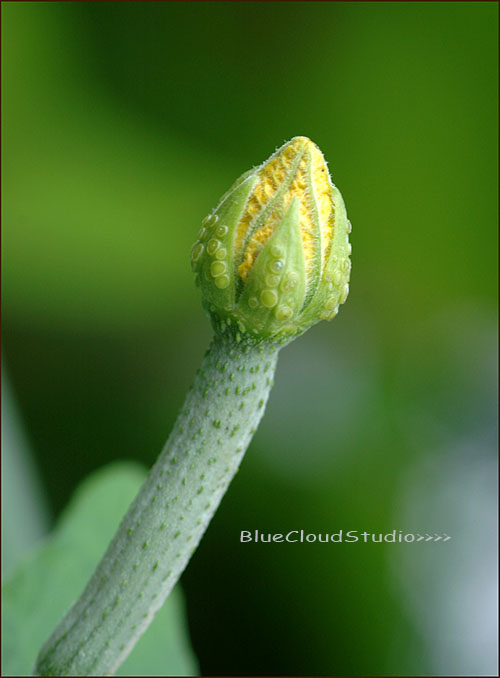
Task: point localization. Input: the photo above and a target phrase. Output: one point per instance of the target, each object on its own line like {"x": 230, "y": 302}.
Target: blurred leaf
{"x": 24, "y": 511}
{"x": 40, "y": 590}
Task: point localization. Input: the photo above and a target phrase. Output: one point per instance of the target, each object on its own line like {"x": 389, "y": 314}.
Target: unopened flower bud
{"x": 273, "y": 258}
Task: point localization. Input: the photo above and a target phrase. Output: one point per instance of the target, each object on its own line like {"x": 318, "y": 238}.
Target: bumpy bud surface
{"x": 273, "y": 258}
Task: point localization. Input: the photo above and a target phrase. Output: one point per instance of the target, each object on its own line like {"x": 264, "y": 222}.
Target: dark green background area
{"x": 123, "y": 123}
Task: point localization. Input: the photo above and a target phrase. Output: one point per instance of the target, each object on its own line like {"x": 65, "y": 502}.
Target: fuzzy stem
{"x": 164, "y": 524}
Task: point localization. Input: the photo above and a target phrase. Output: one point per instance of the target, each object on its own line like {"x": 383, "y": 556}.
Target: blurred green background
{"x": 123, "y": 123}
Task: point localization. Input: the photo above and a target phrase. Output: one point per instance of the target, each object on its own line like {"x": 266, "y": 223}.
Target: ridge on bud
{"x": 272, "y": 259}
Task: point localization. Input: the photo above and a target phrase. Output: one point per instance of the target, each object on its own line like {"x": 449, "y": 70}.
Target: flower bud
{"x": 273, "y": 258}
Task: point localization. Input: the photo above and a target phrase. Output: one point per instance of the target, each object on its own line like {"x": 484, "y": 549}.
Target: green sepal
{"x": 333, "y": 285}
{"x": 275, "y": 290}
{"x": 314, "y": 272}
{"x": 217, "y": 238}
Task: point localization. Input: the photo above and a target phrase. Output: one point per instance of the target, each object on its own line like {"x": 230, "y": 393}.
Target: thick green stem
{"x": 169, "y": 516}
